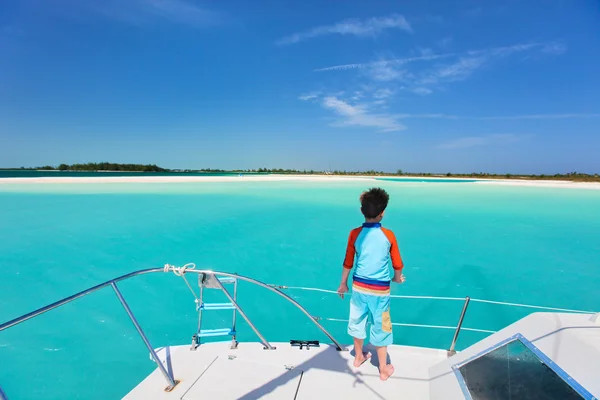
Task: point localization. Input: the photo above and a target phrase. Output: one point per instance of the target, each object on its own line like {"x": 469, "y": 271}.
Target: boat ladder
{"x": 211, "y": 281}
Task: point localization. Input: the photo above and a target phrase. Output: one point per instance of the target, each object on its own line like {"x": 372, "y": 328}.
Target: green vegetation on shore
{"x": 105, "y": 166}
{"x": 571, "y": 176}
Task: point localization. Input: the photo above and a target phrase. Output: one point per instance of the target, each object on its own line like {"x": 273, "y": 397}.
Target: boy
{"x": 375, "y": 248}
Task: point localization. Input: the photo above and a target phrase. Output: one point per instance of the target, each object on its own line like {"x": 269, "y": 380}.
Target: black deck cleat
{"x": 305, "y": 343}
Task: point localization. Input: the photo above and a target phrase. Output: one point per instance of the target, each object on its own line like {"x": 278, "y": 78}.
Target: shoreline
{"x": 305, "y": 178}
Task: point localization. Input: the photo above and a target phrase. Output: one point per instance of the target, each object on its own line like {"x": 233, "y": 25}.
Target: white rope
{"x": 418, "y": 325}
{"x": 444, "y": 298}
{"x": 180, "y": 271}
{"x": 392, "y": 296}
{"x": 531, "y": 306}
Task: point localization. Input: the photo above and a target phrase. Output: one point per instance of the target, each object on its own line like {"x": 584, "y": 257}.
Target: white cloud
{"x": 139, "y": 12}
{"x": 359, "y": 115}
{"x": 445, "y": 42}
{"x": 424, "y": 82}
{"x": 543, "y": 116}
{"x": 383, "y": 93}
{"x": 474, "y": 141}
{"x": 501, "y": 117}
{"x": 369, "y": 114}
{"x": 471, "y": 61}
{"x": 357, "y": 96}
{"x": 427, "y": 116}
{"x": 309, "y": 96}
{"x": 459, "y": 70}
{"x": 425, "y": 51}
{"x": 507, "y": 50}
{"x": 366, "y": 28}
{"x": 421, "y": 91}
{"x": 396, "y": 61}
{"x": 384, "y": 72}
{"x": 474, "y": 60}
{"x": 554, "y": 48}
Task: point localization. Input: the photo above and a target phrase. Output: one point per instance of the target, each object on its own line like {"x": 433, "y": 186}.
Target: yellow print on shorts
{"x": 386, "y": 322}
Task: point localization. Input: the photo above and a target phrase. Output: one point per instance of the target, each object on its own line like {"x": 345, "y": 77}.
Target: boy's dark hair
{"x": 373, "y": 202}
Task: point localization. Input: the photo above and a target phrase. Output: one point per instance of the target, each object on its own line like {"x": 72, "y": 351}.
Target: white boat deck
{"x": 214, "y": 371}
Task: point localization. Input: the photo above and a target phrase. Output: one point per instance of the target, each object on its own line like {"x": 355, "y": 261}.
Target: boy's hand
{"x": 342, "y": 289}
{"x": 399, "y": 278}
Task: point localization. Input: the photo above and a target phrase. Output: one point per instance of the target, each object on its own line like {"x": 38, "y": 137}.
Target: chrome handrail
{"x": 71, "y": 298}
{"x": 113, "y": 283}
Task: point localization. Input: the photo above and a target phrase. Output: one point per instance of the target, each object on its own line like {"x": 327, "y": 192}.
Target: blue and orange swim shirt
{"x": 372, "y": 249}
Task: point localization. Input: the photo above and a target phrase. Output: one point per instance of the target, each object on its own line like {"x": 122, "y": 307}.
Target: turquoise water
{"x": 528, "y": 245}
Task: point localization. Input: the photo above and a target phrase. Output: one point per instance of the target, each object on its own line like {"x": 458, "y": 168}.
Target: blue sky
{"x": 433, "y": 86}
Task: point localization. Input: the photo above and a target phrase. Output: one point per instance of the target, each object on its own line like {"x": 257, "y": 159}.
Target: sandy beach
{"x": 274, "y": 178}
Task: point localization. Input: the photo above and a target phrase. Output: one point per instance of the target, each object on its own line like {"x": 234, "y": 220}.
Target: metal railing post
{"x": 234, "y": 342}
{"x": 196, "y": 336}
{"x": 161, "y": 367}
{"x": 451, "y": 350}
{"x": 243, "y": 314}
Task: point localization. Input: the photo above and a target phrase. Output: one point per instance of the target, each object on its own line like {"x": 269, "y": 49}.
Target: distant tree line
{"x": 105, "y": 166}
{"x": 570, "y": 176}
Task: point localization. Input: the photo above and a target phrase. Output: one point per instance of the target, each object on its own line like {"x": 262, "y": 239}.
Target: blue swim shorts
{"x": 377, "y": 309}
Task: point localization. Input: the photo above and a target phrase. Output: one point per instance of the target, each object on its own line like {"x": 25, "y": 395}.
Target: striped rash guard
{"x": 372, "y": 248}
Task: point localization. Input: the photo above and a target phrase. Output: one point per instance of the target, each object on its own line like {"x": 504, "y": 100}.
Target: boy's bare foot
{"x": 361, "y": 358}
{"x": 386, "y": 372}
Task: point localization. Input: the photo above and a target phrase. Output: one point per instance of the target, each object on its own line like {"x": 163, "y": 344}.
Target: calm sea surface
{"x": 526, "y": 245}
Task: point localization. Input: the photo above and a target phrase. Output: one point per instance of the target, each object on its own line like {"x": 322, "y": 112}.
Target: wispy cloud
{"x": 362, "y": 28}
{"x": 445, "y": 42}
{"x": 457, "y": 71}
{"x": 475, "y": 141}
{"x": 359, "y": 115}
{"x": 139, "y": 12}
{"x": 422, "y": 91}
{"x": 500, "y": 117}
{"x": 309, "y": 96}
{"x": 384, "y": 72}
{"x": 396, "y": 61}
{"x": 383, "y": 93}
{"x": 425, "y": 51}
{"x": 438, "y": 70}
{"x": 504, "y": 51}
{"x": 468, "y": 60}
{"x": 554, "y": 48}
{"x": 544, "y": 116}
{"x": 368, "y": 109}
{"x": 427, "y": 116}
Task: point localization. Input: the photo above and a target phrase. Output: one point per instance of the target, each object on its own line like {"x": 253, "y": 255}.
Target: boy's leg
{"x": 381, "y": 333}
{"x": 360, "y": 357}
{"x": 385, "y": 370}
{"x": 357, "y": 326}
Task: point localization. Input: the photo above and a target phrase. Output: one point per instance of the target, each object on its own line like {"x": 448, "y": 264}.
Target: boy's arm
{"x": 344, "y": 284}
{"x": 348, "y": 263}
